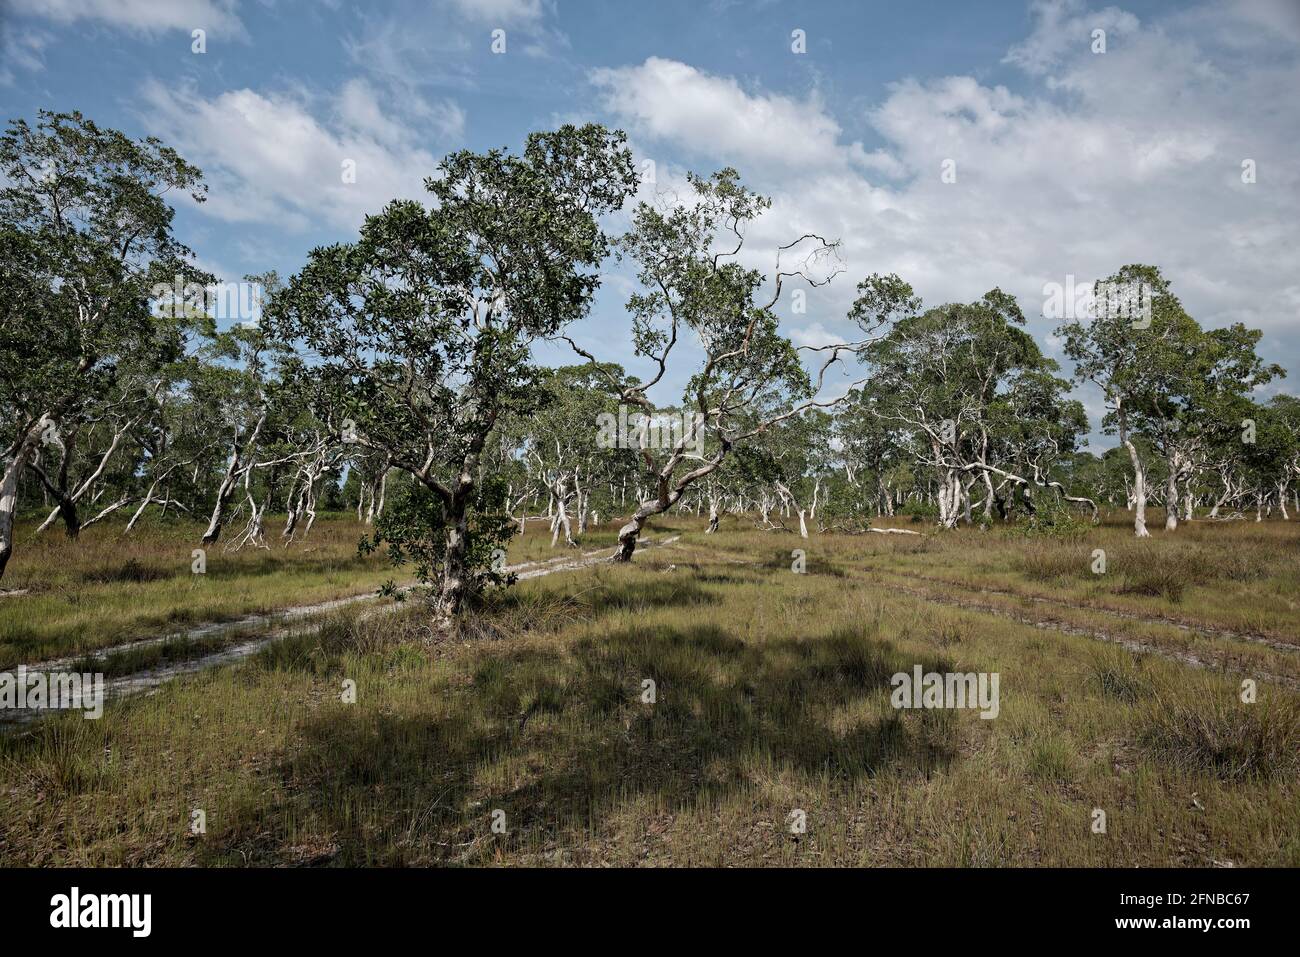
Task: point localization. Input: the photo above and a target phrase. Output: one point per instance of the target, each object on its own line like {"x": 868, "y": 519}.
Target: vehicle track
{"x": 1180, "y": 623}
{"x": 149, "y": 678}
{"x": 1133, "y": 645}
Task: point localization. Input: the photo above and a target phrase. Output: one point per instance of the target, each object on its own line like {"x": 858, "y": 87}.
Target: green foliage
{"x": 1055, "y": 521}
{"x": 415, "y": 526}
{"x": 918, "y": 509}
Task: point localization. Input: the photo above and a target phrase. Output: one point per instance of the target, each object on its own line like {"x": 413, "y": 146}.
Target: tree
{"x": 240, "y": 374}
{"x": 85, "y": 233}
{"x": 749, "y": 376}
{"x": 421, "y": 329}
{"x": 976, "y": 396}
{"x": 1161, "y": 374}
{"x": 562, "y": 447}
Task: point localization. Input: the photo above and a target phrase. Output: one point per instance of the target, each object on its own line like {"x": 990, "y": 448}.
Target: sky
{"x": 960, "y": 145}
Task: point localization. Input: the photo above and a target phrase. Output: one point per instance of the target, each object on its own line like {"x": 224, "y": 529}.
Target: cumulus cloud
{"x": 150, "y": 16}
{"x": 271, "y": 160}
{"x": 714, "y": 116}
{"x": 1134, "y": 155}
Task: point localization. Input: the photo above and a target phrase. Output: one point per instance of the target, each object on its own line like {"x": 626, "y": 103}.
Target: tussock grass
{"x": 1120, "y": 676}
{"x": 1195, "y": 727}
{"x": 771, "y": 692}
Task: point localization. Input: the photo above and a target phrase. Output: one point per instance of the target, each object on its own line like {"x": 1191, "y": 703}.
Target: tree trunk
{"x": 9, "y": 489}
{"x": 452, "y": 593}
{"x": 228, "y": 483}
{"x": 629, "y": 533}
{"x": 1171, "y": 495}
{"x": 66, "y": 509}
{"x": 383, "y": 493}
{"x": 1139, "y": 491}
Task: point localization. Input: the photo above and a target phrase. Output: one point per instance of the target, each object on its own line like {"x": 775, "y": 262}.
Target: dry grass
{"x": 110, "y": 587}
{"x": 771, "y": 694}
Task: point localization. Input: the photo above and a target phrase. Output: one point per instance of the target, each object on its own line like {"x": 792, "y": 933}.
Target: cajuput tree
{"x": 1162, "y": 375}
{"x": 743, "y": 374}
{"x": 562, "y": 450}
{"x": 85, "y": 234}
{"x": 977, "y": 398}
{"x": 421, "y": 330}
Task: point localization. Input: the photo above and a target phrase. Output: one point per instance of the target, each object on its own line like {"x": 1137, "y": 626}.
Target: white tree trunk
{"x": 9, "y": 488}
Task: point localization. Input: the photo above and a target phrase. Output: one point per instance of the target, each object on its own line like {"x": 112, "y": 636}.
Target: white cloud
{"x": 500, "y": 13}
{"x": 711, "y": 115}
{"x": 1104, "y": 159}
{"x": 269, "y": 159}
{"x": 1066, "y": 26}
{"x": 152, "y": 16}
{"x": 814, "y": 336}
{"x": 362, "y": 109}
{"x": 21, "y": 49}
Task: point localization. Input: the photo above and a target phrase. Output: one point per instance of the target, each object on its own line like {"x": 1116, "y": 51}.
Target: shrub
{"x": 1204, "y": 728}
{"x": 1055, "y": 522}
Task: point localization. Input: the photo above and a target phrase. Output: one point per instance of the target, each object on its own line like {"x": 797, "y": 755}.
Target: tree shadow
{"x": 671, "y": 591}
{"x": 561, "y": 740}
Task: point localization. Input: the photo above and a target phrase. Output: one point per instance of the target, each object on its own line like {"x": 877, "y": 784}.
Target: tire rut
{"x": 1133, "y": 645}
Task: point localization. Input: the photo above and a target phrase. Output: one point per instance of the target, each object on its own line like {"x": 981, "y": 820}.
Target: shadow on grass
{"x": 561, "y": 740}
{"x": 671, "y": 591}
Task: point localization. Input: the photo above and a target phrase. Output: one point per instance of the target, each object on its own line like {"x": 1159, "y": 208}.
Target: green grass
{"x": 772, "y": 694}
{"x": 110, "y": 587}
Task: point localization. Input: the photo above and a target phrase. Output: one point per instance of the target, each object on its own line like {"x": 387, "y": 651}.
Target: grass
{"x": 110, "y": 587}
{"x": 771, "y": 694}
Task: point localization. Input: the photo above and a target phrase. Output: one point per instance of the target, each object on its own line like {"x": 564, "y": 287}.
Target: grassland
{"x": 1119, "y": 692}
{"x": 110, "y": 587}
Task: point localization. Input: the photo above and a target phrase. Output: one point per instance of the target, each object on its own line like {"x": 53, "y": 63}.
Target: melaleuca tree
{"x": 747, "y": 375}
{"x": 422, "y": 328}
{"x": 241, "y": 368}
{"x": 1032, "y": 432}
{"x": 976, "y": 396}
{"x": 800, "y": 447}
{"x": 1287, "y": 410}
{"x": 1265, "y": 455}
{"x": 85, "y": 234}
{"x": 181, "y": 446}
{"x": 1195, "y": 376}
{"x": 872, "y": 453}
{"x": 1163, "y": 376}
{"x": 562, "y": 443}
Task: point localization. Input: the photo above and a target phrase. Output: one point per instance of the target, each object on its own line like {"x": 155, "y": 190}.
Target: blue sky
{"x": 1070, "y": 162}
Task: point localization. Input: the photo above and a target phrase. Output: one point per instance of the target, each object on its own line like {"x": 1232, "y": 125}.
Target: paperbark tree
{"x": 977, "y": 398}
{"x": 1160, "y": 373}
{"x": 749, "y": 375}
{"x": 85, "y": 234}
{"x": 421, "y": 329}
